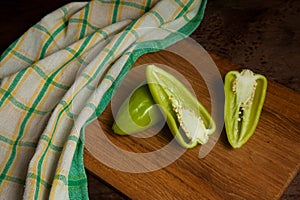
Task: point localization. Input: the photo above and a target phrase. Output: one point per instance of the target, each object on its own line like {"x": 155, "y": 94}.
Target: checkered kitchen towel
{"x": 60, "y": 75}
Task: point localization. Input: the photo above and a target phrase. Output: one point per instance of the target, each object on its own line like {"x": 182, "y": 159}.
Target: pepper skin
{"x": 244, "y": 98}
{"x": 137, "y": 113}
{"x": 188, "y": 120}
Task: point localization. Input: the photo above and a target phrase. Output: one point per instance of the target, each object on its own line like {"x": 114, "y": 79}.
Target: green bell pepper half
{"x": 188, "y": 120}
{"x": 244, "y": 98}
{"x": 137, "y": 113}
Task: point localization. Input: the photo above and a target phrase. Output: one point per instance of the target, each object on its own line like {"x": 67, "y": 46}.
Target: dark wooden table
{"x": 262, "y": 35}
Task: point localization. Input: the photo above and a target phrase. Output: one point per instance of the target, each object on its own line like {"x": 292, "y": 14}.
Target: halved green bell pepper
{"x": 244, "y": 98}
{"x": 187, "y": 118}
{"x": 137, "y": 113}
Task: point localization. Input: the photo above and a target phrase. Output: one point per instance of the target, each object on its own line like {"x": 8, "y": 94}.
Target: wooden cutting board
{"x": 261, "y": 169}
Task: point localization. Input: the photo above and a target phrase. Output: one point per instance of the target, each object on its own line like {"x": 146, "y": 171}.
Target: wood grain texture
{"x": 261, "y": 169}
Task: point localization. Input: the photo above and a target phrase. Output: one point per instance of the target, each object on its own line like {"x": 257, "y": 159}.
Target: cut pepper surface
{"x": 244, "y": 98}
{"x": 188, "y": 120}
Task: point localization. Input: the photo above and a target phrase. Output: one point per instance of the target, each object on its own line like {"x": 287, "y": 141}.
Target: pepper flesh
{"x": 187, "y": 118}
{"x": 244, "y": 98}
{"x": 137, "y": 113}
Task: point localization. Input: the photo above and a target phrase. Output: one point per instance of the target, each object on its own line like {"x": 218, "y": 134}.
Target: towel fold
{"x": 61, "y": 74}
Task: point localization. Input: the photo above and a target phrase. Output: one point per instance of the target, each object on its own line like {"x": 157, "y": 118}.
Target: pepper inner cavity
{"x": 240, "y": 120}
{"x": 244, "y": 87}
{"x": 190, "y": 124}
